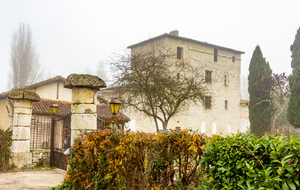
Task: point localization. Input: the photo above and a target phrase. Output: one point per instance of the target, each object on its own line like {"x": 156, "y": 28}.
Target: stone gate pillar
{"x": 20, "y": 149}
{"x": 84, "y": 96}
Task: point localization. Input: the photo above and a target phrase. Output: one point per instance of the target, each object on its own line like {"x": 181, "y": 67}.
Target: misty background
{"x": 74, "y": 36}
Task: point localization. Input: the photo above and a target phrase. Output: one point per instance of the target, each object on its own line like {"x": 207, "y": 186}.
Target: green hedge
{"x": 176, "y": 160}
{"x": 247, "y": 162}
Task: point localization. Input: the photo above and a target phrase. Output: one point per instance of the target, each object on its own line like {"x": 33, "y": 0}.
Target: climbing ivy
{"x": 5, "y": 144}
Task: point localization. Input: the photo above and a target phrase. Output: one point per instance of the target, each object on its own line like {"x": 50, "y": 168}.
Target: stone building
{"x": 224, "y": 112}
{"x": 50, "y": 91}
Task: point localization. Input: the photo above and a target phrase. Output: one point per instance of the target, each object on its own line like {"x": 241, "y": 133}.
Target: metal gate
{"x": 40, "y": 133}
{"x": 40, "y": 138}
{"x": 61, "y": 142}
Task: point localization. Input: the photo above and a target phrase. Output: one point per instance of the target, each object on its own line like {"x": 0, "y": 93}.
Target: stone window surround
{"x": 179, "y": 52}
{"x": 215, "y": 55}
{"x": 207, "y": 102}
{"x": 208, "y": 75}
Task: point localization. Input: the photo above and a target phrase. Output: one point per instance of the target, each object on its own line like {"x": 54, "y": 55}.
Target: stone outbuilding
{"x": 51, "y": 91}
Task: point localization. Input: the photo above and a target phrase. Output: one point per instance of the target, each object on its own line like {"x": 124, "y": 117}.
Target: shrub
{"x": 115, "y": 160}
{"x": 248, "y": 162}
{"x": 5, "y": 144}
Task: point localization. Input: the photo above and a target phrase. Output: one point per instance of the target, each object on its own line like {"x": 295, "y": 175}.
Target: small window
{"x": 178, "y": 75}
{"x": 228, "y": 128}
{"x": 208, "y": 76}
{"x": 226, "y": 104}
{"x": 214, "y": 128}
{"x": 202, "y": 127}
{"x": 177, "y": 128}
{"x": 215, "y": 55}
{"x": 225, "y": 80}
{"x": 179, "y": 52}
{"x": 207, "y": 102}
{"x": 233, "y": 59}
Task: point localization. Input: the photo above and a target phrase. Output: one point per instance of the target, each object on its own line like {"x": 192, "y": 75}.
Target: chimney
{"x": 174, "y": 32}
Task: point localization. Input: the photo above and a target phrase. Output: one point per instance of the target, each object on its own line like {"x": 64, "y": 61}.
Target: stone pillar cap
{"x": 84, "y": 80}
{"x": 24, "y": 95}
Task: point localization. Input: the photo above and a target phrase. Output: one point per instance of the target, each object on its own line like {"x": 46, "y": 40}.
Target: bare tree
{"x": 157, "y": 84}
{"x": 88, "y": 71}
{"x": 278, "y": 100}
{"x": 101, "y": 71}
{"x": 280, "y": 94}
{"x": 25, "y": 66}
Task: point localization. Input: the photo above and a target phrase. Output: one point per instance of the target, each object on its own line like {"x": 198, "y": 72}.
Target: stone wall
{"x": 20, "y": 148}
{"x": 40, "y": 156}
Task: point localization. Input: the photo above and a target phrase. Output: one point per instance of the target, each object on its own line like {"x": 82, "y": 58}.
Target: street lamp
{"x": 114, "y": 105}
{"x": 53, "y": 108}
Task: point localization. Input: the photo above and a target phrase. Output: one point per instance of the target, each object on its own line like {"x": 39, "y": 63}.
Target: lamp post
{"x": 53, "y": 108}
{"x": 114, "y": 107}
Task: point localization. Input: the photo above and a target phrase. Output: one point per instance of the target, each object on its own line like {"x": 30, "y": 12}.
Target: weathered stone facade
{"x": 84, "y": 94}
{"x": 20, "y": 149}
{"x": 223, "y": 64}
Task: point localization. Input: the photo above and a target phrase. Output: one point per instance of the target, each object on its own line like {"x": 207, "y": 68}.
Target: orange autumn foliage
{"x": 112, "y": 159}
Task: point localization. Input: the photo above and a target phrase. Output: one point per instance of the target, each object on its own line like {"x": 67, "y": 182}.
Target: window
{"x": 233, "y": 59}
{"x": 207, "y": 102}
{"x": 132, "y": 125}
{"x": 214, "y": 128}
{"x": 179, "y": 52}
{"x": 228, "y": 128}
{"x": 243, "y": 128}
{"x": 177, "y": 128}
{"x": 225, "y": 80}
{"x": 226, "y": 104}
{"x": 202, "y": 127}
{"x": 208, "y": 76}
{"x": 178, "y": 75}
{"x": 215, "y": 55}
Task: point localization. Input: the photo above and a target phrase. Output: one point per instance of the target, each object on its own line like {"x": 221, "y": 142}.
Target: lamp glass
{"x": 114, "y": 108}
{"x": 114, "y": 105}
{"x": 54, "y": 108}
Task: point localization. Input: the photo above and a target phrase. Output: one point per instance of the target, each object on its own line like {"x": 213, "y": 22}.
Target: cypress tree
{"x": 260, "y": 107}
{"x": 293, "y": 111}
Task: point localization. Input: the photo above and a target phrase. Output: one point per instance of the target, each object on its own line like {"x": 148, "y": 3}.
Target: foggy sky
{"x": 73, "y": 35}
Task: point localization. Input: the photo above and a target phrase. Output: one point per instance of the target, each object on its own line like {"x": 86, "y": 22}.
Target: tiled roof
{"x": 64, "y": 108}
{"x": 33, "y": 86}
{"x": 103, "y": 111}
{"x": 183, "y": 39}
{"x": 244, "y": 102}
{"x": 43, "y": 107}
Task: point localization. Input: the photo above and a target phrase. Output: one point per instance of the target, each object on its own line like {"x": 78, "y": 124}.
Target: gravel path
{"x": 37, "y": 180}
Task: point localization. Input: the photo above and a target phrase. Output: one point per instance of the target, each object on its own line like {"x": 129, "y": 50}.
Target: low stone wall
{"x": 38, "y": 155}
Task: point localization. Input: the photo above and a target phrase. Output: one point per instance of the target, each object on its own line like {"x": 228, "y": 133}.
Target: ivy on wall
{"x": 5, "y": 145}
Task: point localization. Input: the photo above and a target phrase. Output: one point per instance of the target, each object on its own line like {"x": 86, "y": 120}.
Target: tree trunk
{"x": 156, "y": 125}
{"x": 165, "y": 124}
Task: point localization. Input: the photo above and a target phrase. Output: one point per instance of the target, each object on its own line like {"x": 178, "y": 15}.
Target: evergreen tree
{"x": 293, "y": 112}
{"x": 260, "y": 107}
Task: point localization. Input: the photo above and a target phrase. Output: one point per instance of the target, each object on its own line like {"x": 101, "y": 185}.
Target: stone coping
{"x": 24, "y": 95}
{"x": 84, "y": 80}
